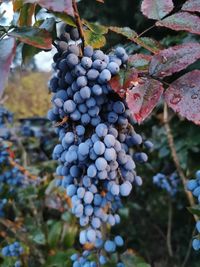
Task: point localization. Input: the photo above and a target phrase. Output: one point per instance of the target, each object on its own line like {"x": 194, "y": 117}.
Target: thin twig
{"x": 169, "y": 229}
{"x": 78, "y": 22}
{"x": 176, "y": 159}
{"x": 22, "y": 169}
{"x": 187, "y": 255}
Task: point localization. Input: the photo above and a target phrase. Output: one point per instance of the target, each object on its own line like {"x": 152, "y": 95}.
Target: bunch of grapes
{"x": 96, "y": 157}
{"x": 194, "y": 186}
{"x": 13, "y": 250}
{"x": 169, "y": 184}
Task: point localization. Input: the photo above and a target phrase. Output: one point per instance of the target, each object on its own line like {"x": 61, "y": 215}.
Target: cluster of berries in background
{"x": 169, "y": 183}
{"x": 194, "y": 186}
{"x": 13, "y": 250}
{"x": 98, "y": 147}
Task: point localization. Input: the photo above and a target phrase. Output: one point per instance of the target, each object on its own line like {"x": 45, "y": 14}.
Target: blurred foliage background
{"x": 150, "y": 218}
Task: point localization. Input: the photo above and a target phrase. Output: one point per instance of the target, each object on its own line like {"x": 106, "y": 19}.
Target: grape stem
{"x": 22, "y": 169}
{"x": 78, "y": 21}
{"x": 169, "y": 229}
{"x": 175, "y": 158}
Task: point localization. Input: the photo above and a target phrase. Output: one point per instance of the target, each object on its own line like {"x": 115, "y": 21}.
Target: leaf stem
{"x": 175, "y": 158}
{"x": 145, "y": 31}
{"x": 78, "y": 22}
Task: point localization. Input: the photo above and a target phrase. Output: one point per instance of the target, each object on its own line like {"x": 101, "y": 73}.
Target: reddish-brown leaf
{"x": 183, "y": 96}
{"x": 121, "y": 82}
{"x": 142, "y": 98}
{"x": 54, "y": 5}
{"x": 39, "y": 38}
{"x": 182, "y": 21}
{"x": 174, "y": 59}
{"x": 156, "y": 9}
{"x": 7, "y": 48}
{"x": 192, "y": 6}
{"x": 139, "y": 61}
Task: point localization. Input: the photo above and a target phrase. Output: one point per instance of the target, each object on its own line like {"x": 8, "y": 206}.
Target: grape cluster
{"x": 13, "y": 250}
{"x": 96, "y": 157}
{"x": 194, "y": 186}
{"x": 168, "y": 183}
{"x": 5, "y": 117}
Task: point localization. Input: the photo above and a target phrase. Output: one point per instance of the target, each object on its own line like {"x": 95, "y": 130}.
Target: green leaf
{"x": 139, "y": 61}
{"x": 133, "y": 36}
{"x": 126, "y": 31}
{"x": 132, "y": 260}
{"x": 26, "y": 14}
{"x": 38, "y": 237}
{"x": 69, "y": 233}
{"x": 195, "y": 210}
{"x": 17, "y": 4}
{"x": 65, "y": 18}
{"x": 96, "y": 28}
{"x": 156, "y": 46}
{"x": 93, "y": 39}
{"x": 54, "y": 234}
{"x": 40, "y": 38}
{"x": 28, "y": 52}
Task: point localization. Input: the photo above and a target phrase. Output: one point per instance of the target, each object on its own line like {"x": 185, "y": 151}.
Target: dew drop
{"x": 194, "y": 96}
{"x": 175, "y": 99}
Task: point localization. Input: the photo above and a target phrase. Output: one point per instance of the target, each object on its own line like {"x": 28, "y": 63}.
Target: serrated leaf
{"x": 53, "y": 5}
{"x": 142, "y": 98}
{"x": 192, "y": 6}
{"x": 7, "y": 48}
{"x": 174, "y": 59}
{"x": 133, "y": 36}
{"x": 195, "y": 210}
{"x": 96, "y": 28}
{"x": 139, "y": 61}
{"x": 40, "y": 38}
{"x": 182, "y": 21}
{"x": 93, "y": 39}
{"x": 156, "y": 9}
{"x": 124, "y": 80}
{"x": 183, "y": 96}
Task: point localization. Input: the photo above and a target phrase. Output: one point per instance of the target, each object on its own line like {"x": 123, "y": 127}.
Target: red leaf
{"x": 183, "y": 96}
{"x": 191, "y": 5}
{"x": 182, "y": 21}
{"x": 121, "y": 82}
{"x": 174, "y": 59}
{"x": 143, "y": 98}
{"x": 40, "y": 38}
{"x": 139, "y": 61}
{"x": 7, "y": 48}
{"x": 156, "y": 9}
{"x": 54, "y": 5}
